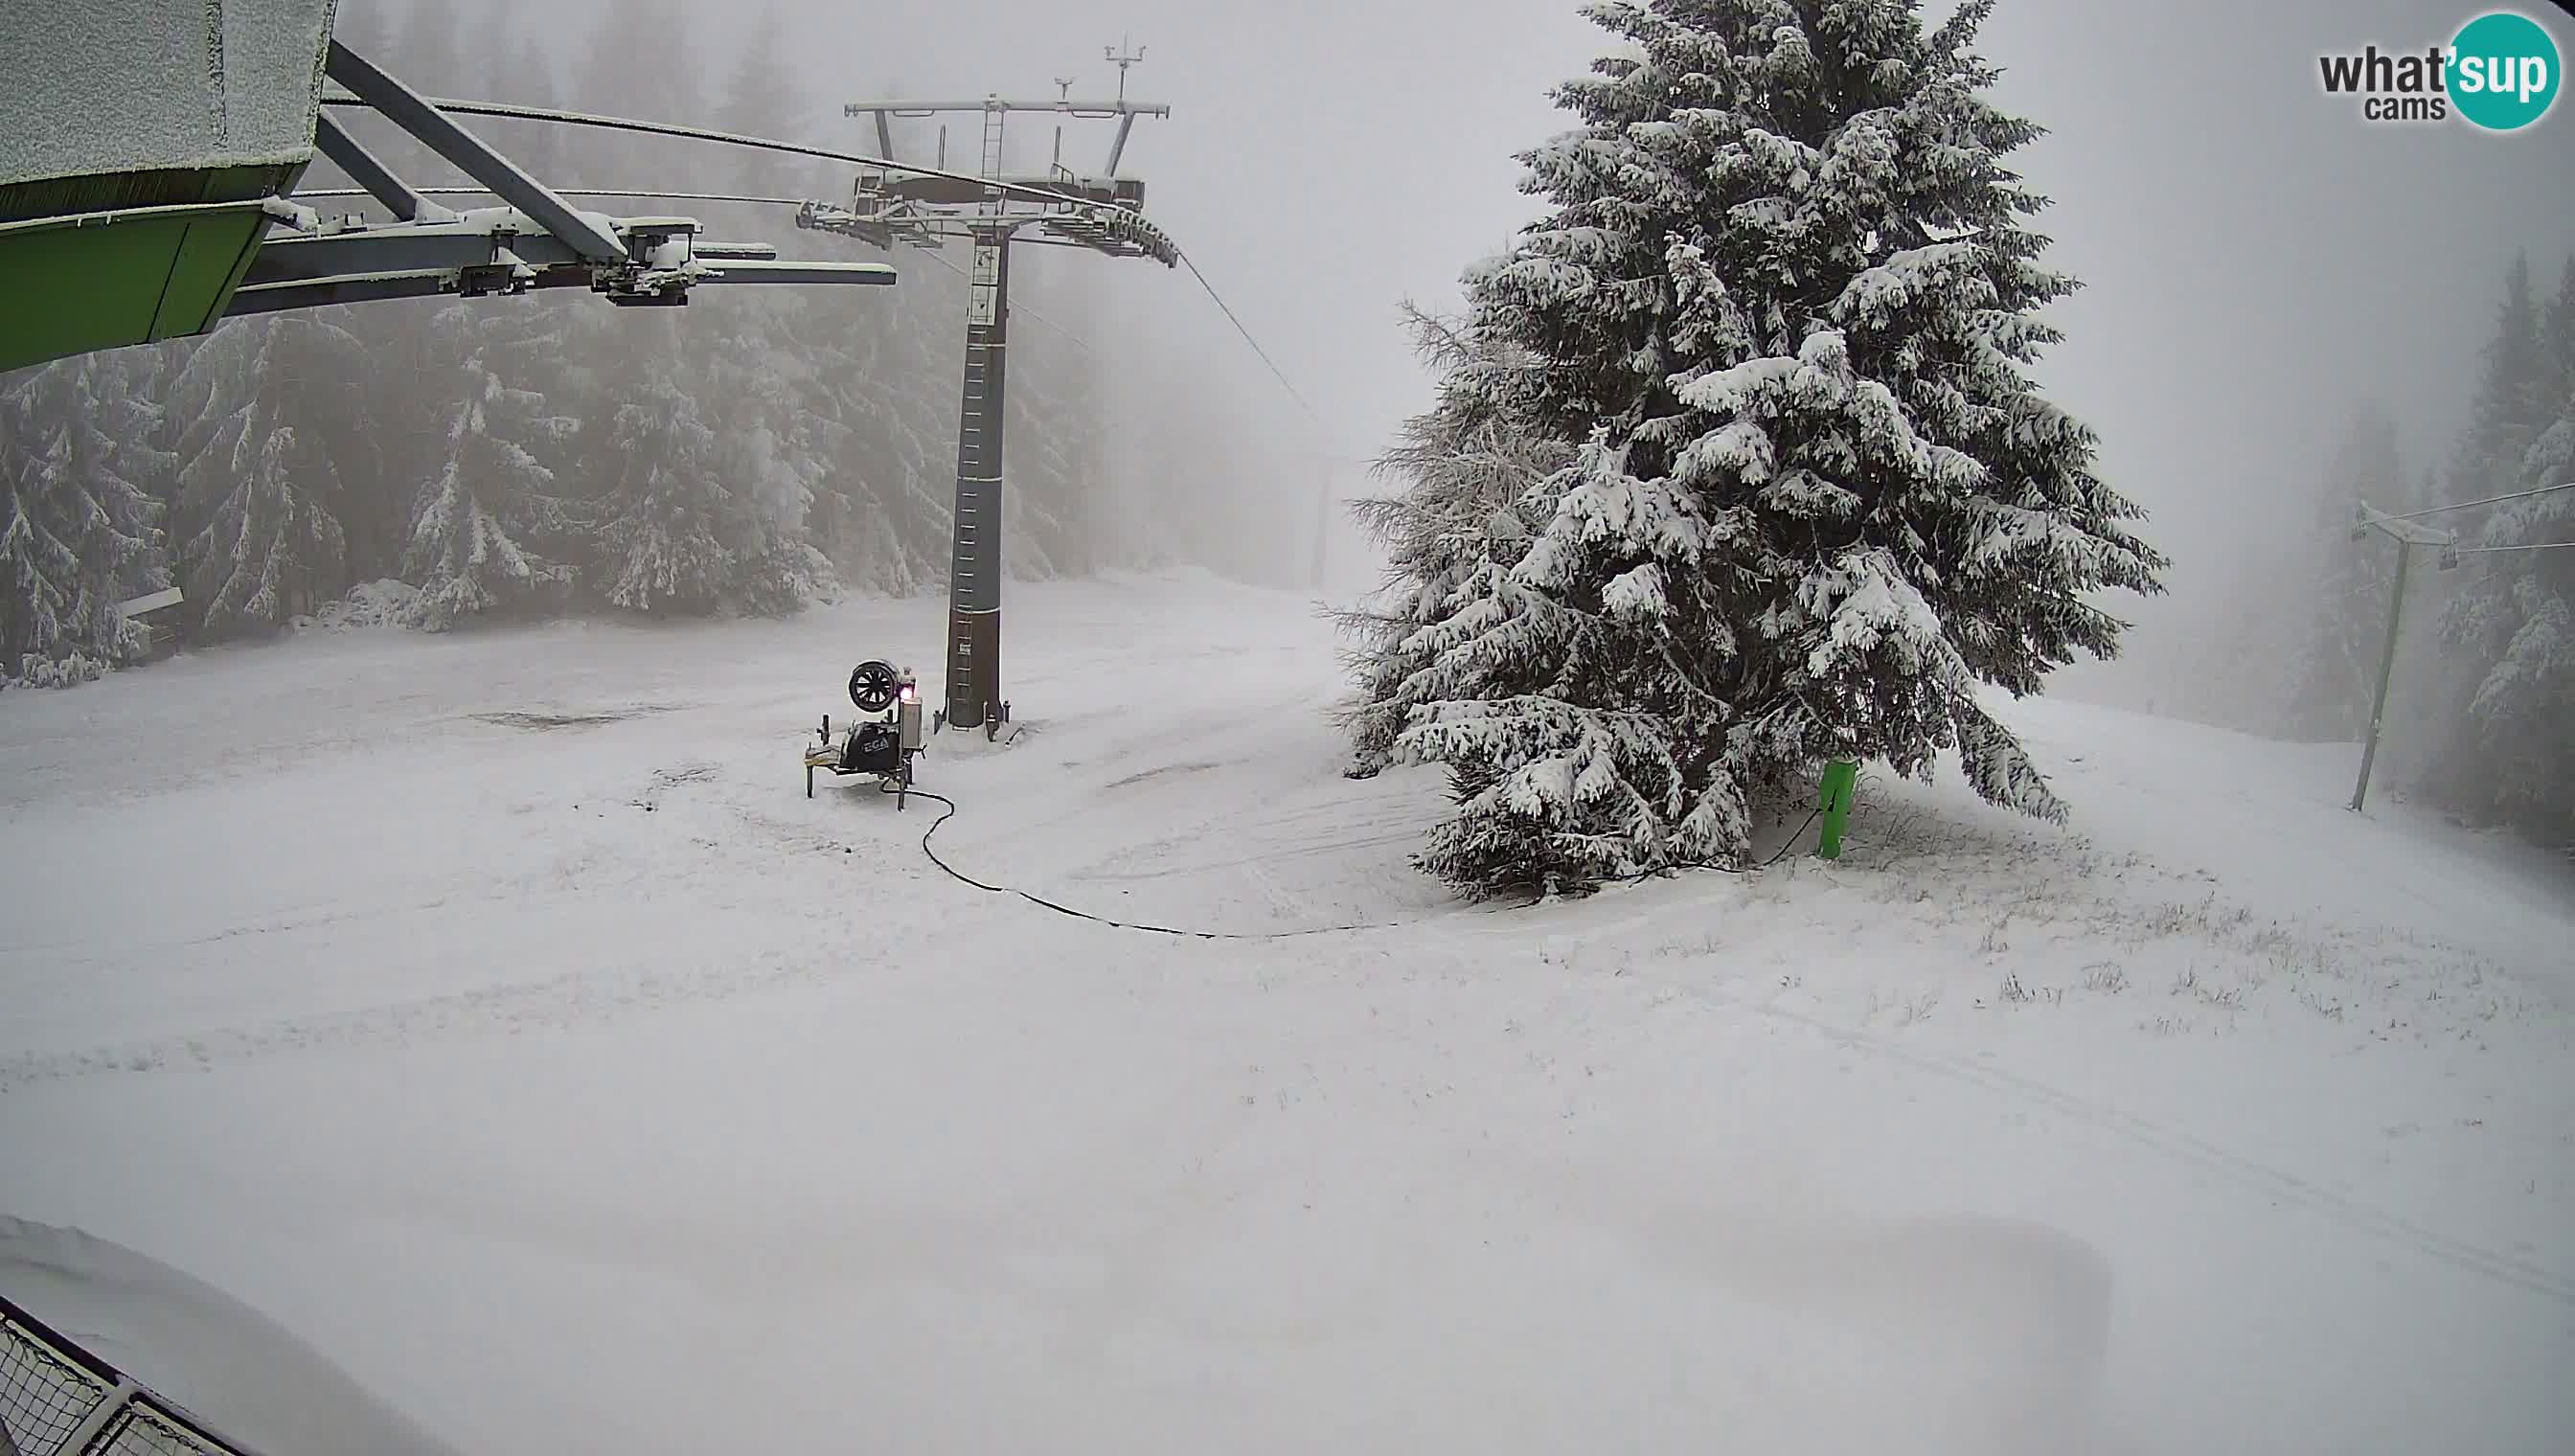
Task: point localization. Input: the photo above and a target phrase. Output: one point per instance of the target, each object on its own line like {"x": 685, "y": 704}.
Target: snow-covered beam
{"x": 275, "y": 297}
{"x": 269, "y": 297}
{"x": 755, "y": 269}
{"x": 152, "y": 602}
{"x": 961, "y": 192}
{"x": 406, "y": 109}
{"x": 478, "y": 239}
{"x": 364, "y": 168}
{"x": 2413, "y": 533}
{"x": 1090, "y": 109}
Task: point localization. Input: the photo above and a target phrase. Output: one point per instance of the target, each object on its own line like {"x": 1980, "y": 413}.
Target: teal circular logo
{"x": 2503, "y": 71}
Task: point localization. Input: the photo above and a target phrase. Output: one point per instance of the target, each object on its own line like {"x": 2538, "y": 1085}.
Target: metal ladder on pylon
{"x": 993, "y": 118}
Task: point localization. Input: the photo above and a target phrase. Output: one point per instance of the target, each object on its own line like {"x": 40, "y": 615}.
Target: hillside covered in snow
{"x": 497, "y": 1014}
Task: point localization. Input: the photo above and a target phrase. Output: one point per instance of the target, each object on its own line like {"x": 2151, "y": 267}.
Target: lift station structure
{"x": 150, "y": 162}
{"x": 1103, "y": 213}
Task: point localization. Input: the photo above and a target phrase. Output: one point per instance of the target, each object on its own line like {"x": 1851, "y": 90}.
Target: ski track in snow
{"x": 1160, "y": 1189}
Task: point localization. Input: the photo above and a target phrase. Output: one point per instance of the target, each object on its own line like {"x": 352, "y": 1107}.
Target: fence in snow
{"x": 58, "y": 1399}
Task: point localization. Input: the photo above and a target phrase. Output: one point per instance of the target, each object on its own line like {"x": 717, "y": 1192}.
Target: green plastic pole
{"x": 1840, "y": 776}
{"x": 2386, "y": 670}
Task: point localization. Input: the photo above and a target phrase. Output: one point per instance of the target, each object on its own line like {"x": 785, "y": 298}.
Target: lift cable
{"x": 2489, "y": 501}
{"x": 650, "y": 194}
{"x": 511, "y": 112}
{"x": 1247, "y": 337}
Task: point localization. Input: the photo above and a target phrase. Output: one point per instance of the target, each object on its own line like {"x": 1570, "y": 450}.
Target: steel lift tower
{"x": 1103, "y": 213}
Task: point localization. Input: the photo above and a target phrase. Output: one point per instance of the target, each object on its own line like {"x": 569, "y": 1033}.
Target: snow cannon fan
{"x": 884, "y": 748}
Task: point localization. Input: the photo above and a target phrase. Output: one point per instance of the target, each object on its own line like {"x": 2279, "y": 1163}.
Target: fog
{"x": 2257, "y": 258}
{"x": 450, "y": 1096}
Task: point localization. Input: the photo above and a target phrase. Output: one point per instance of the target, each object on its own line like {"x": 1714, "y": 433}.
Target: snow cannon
{"x": 883, "y": 746}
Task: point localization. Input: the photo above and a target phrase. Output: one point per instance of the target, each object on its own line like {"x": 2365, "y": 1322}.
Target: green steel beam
{"x": 131, "y": 258}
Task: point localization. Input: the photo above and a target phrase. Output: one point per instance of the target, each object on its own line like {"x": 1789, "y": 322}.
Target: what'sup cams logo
{"x": 2500, "y": 73}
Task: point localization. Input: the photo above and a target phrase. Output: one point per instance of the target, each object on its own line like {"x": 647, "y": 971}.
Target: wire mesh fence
{"x": 46, "y": 1392}
{"x": 144, "y": 1430}
{"x": 58, "y": 1399}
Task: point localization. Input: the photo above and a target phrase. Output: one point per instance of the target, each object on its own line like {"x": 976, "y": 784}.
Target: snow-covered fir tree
{"x": 2333, "y": 668}
{"x": 760, "y": 98}
{"x": 660, "y": 505}
{"x": 2557, "y": 331}
{"x": 1464, "y": 469}
{"x": 39, "y": 573}
{"x": 273, "y": 439}
{"x": 2513, "y": 403}
{"x": 876, "y": 477}
{"x": 2500, "y": 753}
{"x": 2513, "y": 757}
{"x": 489, "y": 515}
{"x": 79, "y": 520}
{"x": 776, "y": 433}
{"x": 1787, "y": 292}
{"x": 772, "y": 450}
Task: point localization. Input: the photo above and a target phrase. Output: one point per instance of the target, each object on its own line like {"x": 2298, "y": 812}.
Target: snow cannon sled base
{"x": 885, "y": 747}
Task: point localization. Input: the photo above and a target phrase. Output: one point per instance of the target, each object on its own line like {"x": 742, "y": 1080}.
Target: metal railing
{"x": 58, "y": 1399}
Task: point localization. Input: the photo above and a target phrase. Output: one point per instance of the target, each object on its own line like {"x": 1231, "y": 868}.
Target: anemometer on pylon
{"x": 1065, "y": 209}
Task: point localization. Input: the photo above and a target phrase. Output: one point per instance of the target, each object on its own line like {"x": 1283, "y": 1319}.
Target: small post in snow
{"x": 1842, "y": 775}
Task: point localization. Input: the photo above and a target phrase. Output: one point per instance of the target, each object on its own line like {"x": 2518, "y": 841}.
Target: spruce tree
{"x": 660, "y": 515}
{"x": 762, "y": 98}
{"x": 79, "y": 525}
{"x": 2557, "y": 333}
{"x": 2513, "y": 759}
{"x": 1463, "y": 469}
{"x": 1785, "y": 292}
{"x": 490, "y": 504}
{"x": 776, "y": 432}
{"x": 39, "y": 572}
{"x": 2512, "y": 405}
{"x": 2333, "y": 672}
{"x": 771, "y": 450}
{"x": 273, "y": 439}
{"x": 2503, "y": 753}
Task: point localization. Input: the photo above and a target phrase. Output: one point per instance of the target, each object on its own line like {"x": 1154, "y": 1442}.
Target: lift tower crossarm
{"x": 2410, "y": 532}
{"x": 1124, "y": 110}
{"x": 1091, "y": 109}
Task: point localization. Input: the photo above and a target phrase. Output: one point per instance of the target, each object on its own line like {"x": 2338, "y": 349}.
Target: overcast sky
{"x": 2256, "y": 257}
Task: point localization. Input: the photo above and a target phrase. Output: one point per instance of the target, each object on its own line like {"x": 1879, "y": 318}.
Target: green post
{"x": 1840, "y": 776}
{"x": 2386, "y": 668}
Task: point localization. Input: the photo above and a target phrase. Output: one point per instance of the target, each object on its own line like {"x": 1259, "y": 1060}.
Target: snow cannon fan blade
{"x": 872, "y": 686}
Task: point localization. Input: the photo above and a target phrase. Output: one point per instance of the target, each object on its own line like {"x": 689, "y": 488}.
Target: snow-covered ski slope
{"x": 497, "y": 1014}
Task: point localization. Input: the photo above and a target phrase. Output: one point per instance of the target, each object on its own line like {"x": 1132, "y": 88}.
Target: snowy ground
{"x": 497, "y": 1014}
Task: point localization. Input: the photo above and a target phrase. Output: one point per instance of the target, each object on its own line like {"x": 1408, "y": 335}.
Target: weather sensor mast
{"x": 1103, "y": 212}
